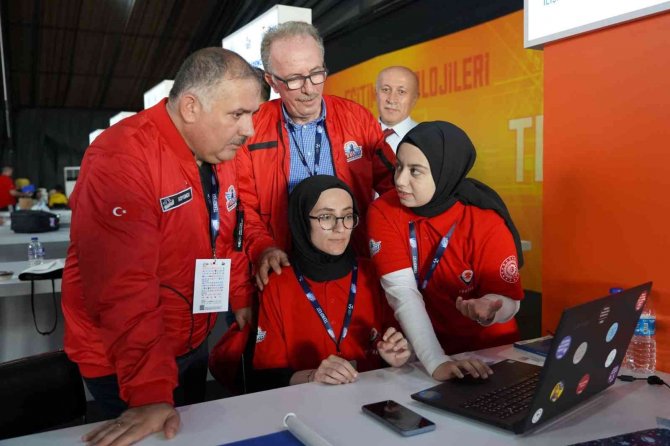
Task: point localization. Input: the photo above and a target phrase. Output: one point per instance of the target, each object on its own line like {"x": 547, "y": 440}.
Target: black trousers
{"x": 191, "y": 389}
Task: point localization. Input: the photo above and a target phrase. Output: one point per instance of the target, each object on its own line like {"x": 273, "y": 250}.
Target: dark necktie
{"x": 388, "y": 132}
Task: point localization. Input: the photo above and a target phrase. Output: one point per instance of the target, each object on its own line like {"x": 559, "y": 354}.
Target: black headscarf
{"x": 451, "y": 155}
{"x": 314, "y": 263}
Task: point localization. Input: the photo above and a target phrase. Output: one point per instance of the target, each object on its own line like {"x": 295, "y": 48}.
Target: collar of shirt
{"x": 400, "y": 130}
{"x": 318, "y": 120}
{"x": 302, "y": 141}
{"x": 402, "y": 127}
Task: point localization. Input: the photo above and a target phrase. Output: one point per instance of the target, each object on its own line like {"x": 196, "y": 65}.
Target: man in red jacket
{"x": 151, "y": 198}
{"x": 303, "y": 133}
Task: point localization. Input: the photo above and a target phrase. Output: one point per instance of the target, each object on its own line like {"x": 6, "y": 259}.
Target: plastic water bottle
{"x": 35, "y": 252}
{"x": 641, "y": 355}
{"x": 643, "y": 345}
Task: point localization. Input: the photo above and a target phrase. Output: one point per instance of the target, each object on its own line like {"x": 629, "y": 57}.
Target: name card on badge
{"x": 211, "y": 287}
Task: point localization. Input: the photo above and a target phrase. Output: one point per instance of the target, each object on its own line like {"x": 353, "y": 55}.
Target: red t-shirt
{"x": 6, "y": 185}
{"x": 480, "y": 259}
{"x": 291, "y": 334}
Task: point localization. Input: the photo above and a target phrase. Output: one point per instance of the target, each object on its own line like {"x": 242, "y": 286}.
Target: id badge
{"x": 211, "y": 285}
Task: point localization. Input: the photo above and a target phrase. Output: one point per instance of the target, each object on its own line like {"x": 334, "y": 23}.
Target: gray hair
{"x": 204, "y": 70}
{"x": 284, "y": 31}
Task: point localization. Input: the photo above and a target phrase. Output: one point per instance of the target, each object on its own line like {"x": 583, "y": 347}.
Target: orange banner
{"x": 483, "y": 80}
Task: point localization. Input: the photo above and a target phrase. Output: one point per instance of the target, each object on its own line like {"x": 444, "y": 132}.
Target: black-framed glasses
{"x": 296, "y": 82}
{"x": 328, "y": 222}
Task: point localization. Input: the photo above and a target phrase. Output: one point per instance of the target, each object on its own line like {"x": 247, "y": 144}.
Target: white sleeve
{"x": 409, "y": 309}
{"x": 509, "y": 308}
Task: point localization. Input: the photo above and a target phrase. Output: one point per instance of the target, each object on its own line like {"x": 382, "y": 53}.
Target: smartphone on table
{"x": 399, "y": 418}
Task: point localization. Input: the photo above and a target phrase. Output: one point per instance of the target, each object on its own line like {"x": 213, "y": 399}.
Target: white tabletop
{"x": 9, "y": 237}
{"x": 16, "y": 287}
{"x": 335, "y": 413}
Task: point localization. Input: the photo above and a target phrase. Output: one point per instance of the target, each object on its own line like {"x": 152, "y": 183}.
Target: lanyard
{"x": 322, "y": 314}
{"x": 436, "y": 259}
{"x": 212, "y": 201}
{"x": 317, "y": 150}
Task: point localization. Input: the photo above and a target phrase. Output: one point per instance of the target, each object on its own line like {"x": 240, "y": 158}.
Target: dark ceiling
{"x": 104, "y": 54}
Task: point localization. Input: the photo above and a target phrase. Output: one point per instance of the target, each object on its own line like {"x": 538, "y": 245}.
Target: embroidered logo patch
{"x": 174, "y": 201}
{"x": 260, "y": 336}
{"x": 509, "y": 270}
{"x": 352, "y": 151}
{"x": 466, "y": 276}
{"x": 375, "y": 247}
{"x": 231, "y": 198}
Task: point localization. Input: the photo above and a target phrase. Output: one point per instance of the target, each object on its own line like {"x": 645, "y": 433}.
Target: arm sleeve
{"x": 271, "y": 351}
{"x": 257, "y": 238}
{"x": 508, "y": 310}
{"x": 497, "y": 263}
{"x": 383, "y": 159}
{"x": 410, "y": 310}
{"x": 118, "y": 259}
{"x": 241, "y": 290}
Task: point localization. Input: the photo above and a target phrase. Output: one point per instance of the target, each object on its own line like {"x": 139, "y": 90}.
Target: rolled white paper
{"x": 303, "y": 432}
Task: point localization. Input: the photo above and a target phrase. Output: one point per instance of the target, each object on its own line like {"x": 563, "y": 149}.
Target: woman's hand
{"x": 394, "y": 348}
{"x": 451, "y": 369}
{"x": 479, "y": 310}
{"x": 335, "y": 370}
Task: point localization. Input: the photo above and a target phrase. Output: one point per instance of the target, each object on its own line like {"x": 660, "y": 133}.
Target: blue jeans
{"x": 192, "y": 380}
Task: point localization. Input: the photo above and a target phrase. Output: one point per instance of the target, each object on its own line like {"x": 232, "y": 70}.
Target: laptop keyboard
{"x": 505, "y": 401}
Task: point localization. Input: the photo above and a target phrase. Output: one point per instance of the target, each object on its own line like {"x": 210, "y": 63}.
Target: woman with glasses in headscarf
{"x": 324, "y": 318}
{"x": 447, "y": 252}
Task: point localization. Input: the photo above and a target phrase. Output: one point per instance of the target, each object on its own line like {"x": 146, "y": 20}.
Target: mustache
{"x": 239, "y": 141}
{"x": 307, "y": 97}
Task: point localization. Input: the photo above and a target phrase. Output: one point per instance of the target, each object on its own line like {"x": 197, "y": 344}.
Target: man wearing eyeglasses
{"x": 302, "y": 134}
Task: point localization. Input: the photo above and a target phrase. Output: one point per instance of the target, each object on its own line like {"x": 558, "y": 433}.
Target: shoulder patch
{"x": 375, "y": 247}
{"x": 231, "y": 198}
{"x": 509, "y": 270}
{"x": 260, "y": 336}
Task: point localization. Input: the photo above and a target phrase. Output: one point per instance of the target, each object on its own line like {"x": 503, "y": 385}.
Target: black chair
{"x": 39, "y": 393}
{"x": 529, "y": 317}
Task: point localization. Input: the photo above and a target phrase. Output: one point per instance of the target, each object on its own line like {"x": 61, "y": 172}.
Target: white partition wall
{"x": 157, "y": 93}
{"x": 94, "y": 134}
{"x": 119, "y": 116}
{"x": 549, "y": 20}
{"x": 70, "y": 174}
{"x": 246, "y": 41}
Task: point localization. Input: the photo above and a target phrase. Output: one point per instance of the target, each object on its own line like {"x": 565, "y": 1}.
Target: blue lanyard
{"x": 322, "y": 314}
{"x": 317, "y": 150}
{"x": 213, "y": 198}
{"x": 436, "y": 259}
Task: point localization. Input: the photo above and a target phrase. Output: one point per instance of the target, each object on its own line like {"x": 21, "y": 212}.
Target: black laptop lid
{"x": 588, "y": 349}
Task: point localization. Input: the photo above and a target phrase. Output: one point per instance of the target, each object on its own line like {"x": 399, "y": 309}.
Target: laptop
{"x": 584, "y": 359}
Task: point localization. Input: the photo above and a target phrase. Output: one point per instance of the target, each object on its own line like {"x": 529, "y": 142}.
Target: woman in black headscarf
{"x": 447, "y": 252}
{"x": 323, "y": 317}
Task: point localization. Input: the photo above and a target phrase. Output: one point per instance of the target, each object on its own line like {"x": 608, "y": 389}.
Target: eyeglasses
{"x": 328, "y": 222}
{"x": 297, "y": 82}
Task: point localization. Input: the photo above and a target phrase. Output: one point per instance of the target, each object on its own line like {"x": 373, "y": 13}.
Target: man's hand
{"x": 335, "y": 370}
{"x": 243, "y": 316}
{"x": 134, "y": 424}
{"x": 451, "y": 369}
{"x": 271, "y": 258}
{"x": 479, "y": 310}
